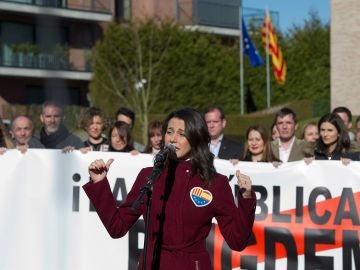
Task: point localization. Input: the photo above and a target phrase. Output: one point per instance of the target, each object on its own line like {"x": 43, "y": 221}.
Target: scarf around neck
{"x": 52, "y": 140}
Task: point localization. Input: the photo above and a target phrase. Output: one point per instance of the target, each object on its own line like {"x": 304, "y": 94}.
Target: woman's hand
{"x": 234, "y": 161}
{"x": 308, "y": 160}
{"x": 2, "y": 150}
{"x": 22, "y": 148}
{"x": 345, "y": 161}
{"x": 134, "y": 152}
{"x": 276, "y": 164}
{"x": 67, "y": 149}
{"x": 85, "y": 150}
{"x": 98, "y": 169}
{"x": 244, "y": 183}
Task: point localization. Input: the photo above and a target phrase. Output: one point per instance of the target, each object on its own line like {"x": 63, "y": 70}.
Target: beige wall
{"x": 345, "y": 54}
{"x": 164, "y": 9}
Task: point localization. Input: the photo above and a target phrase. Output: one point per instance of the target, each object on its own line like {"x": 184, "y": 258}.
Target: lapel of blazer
{"x": 296, "y": 149}
{"x": 275, "y": 148}
{"x": 223, "y": 146}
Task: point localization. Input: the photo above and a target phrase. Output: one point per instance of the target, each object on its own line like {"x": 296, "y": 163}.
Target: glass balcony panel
{"x": 50, "y": 51}
{"x": 13, "y": 35}
{"x": 219, "y": 13}
{"x": 22, "y": 1}
{"x": 103, "y": 6}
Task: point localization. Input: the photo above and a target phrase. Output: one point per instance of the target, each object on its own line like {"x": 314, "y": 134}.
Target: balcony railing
{"x": 42, "y": 61}
{"x": 89, "y": 5}
{"x": 220, "y": 13}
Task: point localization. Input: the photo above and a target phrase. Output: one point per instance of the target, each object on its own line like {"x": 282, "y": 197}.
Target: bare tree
{"x": 128, "y": 64}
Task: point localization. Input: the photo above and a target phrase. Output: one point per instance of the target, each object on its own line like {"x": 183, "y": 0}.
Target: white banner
{"x": 307, "y": 215}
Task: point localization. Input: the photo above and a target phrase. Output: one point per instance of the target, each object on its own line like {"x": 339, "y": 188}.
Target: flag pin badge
{"x": 200, "y": 197}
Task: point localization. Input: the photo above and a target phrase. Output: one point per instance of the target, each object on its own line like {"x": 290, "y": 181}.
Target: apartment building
{"x": 44, "y": 47}
{"x": 45, "y": 44}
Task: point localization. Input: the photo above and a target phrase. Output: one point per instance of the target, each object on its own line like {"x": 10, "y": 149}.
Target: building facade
{"x": 345, "y": 54}
{"x": 45, "y": 44}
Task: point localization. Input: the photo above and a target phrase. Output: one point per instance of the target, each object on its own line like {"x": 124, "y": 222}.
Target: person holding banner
{"x": 121, "y": 139}
{"x": 54, "y": 134}
{"x": 185, "y": 197}
{"x": 287, "y": 147}
{"x": 22, "y": 130}
{"x": 334, "y": 142}
{"x": 126, "y": 115}
{"x": 94, "y": 121}
{"x": 257, "y": 147}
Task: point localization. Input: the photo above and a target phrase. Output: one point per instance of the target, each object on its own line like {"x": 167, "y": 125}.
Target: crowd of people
{"x": 188, "y": 192}
{"x": 329, "y": 138}
{"x": 55, "y": 135}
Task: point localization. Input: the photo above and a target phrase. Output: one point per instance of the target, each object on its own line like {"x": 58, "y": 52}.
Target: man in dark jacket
{"x": 54, "y": 134}
{"x": 221, "y": 146}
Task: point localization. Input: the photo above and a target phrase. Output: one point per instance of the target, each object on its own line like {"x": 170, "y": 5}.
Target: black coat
{"x": 336, "y": 155}
{"x": 230, "y": 149}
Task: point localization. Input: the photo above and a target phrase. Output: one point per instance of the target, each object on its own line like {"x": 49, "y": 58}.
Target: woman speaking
{"x": 185, "y": 198}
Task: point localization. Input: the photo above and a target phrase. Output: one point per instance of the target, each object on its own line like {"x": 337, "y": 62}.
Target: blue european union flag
{"x": 249, "y": 48}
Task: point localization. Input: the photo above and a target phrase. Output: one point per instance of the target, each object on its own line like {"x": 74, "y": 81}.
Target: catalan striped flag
{"x": 272, "y": 46}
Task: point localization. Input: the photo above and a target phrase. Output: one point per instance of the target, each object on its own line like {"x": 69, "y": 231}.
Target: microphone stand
{"x": 147, "y": 189}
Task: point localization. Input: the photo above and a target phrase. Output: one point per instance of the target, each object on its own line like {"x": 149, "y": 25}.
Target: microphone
{"x": 167, "y": 150}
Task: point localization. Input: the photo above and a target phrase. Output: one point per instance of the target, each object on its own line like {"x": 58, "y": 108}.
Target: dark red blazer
{"x": 183, "y": 207}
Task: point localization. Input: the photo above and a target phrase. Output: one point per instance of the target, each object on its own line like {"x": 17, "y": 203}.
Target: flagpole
{"x": 267, "y": 63}
{"x": 241, "y": 60}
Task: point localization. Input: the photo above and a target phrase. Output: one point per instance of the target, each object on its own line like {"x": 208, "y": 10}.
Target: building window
{"x": 13, "y": 38}
{"x": 34, "y": 94}
{"x": 123, "y": 10}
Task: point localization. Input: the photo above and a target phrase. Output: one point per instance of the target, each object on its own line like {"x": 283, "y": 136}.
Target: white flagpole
{"x": 241, "y": 60}
{"x": 267, "y": 63}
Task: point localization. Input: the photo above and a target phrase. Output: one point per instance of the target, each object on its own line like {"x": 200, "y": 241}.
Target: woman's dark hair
{"x": 343, "y": 141}
{"x": 268, "y": 155}
{"x": 124, "y": 131}
{"x": 153, "y": 126}
{"x": 196, "y": 132}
